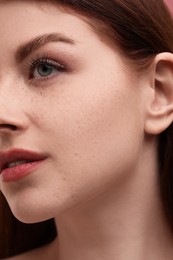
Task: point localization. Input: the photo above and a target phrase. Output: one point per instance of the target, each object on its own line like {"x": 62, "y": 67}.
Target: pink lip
{"x": 33, "y": 161}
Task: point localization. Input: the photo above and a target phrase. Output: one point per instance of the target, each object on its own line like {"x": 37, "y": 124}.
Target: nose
{"x": 11, "y": 122}
{"x": 13, "y": 125}
{"x": 7, "y": 127}
{"x": 13, "y": 118}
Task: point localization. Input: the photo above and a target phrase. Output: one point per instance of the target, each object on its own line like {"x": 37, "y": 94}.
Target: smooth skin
{"x": 83, "y": 105}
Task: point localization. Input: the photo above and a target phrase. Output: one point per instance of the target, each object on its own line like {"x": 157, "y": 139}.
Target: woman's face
{"x": 72, "y": 98}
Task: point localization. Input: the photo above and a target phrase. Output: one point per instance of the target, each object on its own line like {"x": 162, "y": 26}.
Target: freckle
{"x": 41, "y": 93}
{"x": 64, "y": 178}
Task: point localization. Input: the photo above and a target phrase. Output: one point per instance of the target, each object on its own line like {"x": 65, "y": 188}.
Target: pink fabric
{"x": 170, "y": 4}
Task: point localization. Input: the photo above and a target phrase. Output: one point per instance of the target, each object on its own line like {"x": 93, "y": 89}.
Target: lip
{"x": 33, "y": 160}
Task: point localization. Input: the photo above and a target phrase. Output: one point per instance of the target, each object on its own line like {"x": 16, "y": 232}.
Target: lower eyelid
{"x": 43, "y": 81}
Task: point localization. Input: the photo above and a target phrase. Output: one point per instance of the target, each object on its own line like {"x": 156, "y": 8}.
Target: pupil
{"x": 44, "y": 70}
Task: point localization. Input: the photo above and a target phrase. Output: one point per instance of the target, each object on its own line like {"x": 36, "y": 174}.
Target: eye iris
{"x": 44, "y": 70}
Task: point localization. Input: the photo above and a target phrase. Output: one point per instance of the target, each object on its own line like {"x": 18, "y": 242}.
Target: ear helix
{"x": 160, "y": 109}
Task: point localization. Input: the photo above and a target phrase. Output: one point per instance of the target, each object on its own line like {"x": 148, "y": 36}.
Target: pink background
{"x": 170, "y": 4}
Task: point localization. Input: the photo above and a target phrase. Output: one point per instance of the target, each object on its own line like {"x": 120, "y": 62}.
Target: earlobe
{"x": 160, "y": 107}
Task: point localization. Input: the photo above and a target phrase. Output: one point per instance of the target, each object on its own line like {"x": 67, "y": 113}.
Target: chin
{"x": 30, "y": 217}
{"x": 33, "y": 212}
{"x": 30, "y": 214}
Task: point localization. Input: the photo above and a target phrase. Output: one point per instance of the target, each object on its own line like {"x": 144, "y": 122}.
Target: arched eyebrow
{"x": 26, "y": 49}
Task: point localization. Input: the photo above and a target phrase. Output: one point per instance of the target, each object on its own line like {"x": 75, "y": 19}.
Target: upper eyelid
{"x": 46, "y": 60}
{"x": 42, "y": 58}
{"x": 53, "y": 54}
{"x": 41, "y": 54}
{"x": 60, "y": 53}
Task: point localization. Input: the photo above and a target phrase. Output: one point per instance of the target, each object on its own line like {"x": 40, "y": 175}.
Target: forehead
{"x": 28, "y": 19}
{"x": 38, "y": 17}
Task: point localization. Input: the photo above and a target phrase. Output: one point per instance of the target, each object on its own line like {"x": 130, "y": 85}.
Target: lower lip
{"x": 20, "y": 171}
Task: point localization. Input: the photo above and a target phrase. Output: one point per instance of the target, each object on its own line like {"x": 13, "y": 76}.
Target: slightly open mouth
{"x": 16, "y": 170}
{"x": 16, "y": 163}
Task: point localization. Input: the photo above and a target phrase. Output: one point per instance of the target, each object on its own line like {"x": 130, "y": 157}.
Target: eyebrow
{"x": 26, "y": 49}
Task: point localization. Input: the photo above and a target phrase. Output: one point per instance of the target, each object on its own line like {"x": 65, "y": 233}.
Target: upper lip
{"x": 18, "y": 155}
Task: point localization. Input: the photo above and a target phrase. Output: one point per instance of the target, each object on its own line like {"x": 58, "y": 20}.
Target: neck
{"x": 125, "y": 222}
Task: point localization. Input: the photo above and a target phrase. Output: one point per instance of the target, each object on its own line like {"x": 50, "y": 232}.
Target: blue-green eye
{"x": 44, "y": 68}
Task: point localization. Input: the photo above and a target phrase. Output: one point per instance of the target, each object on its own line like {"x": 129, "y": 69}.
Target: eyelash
{"x": 44, "y": 60}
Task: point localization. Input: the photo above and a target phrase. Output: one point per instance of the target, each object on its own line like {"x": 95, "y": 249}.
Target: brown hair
{"x": 142, "y": 29}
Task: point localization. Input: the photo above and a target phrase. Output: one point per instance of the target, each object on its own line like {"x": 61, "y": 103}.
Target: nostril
{"x": 8, "y": 126}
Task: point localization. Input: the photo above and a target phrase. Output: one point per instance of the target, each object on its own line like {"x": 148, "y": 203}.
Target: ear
{"x": 160, "y": 104}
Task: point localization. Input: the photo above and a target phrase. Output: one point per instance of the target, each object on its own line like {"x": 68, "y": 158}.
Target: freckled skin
{"x": 88, "y": 121}
{"x": 95, "y": 119}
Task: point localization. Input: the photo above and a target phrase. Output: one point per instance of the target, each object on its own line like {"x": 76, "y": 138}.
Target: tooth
{"x": 13, "y": 164}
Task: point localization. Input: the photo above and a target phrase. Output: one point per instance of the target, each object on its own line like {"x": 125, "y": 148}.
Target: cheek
{"x": 97, "y": 135}
{"x": 93, "y": 140}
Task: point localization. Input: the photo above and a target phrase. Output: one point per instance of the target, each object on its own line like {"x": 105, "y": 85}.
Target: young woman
{"x": 86, "y": 133}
